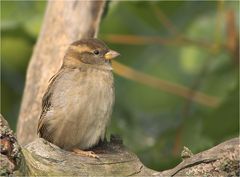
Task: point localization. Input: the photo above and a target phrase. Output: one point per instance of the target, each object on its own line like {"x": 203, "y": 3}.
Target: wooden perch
{"x": 41, "y": 158}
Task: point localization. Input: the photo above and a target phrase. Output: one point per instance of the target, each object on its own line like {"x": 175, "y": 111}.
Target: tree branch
{"x": 41, "y": 158}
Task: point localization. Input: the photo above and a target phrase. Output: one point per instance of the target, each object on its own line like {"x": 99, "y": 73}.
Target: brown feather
{"x": 77, "y": 104}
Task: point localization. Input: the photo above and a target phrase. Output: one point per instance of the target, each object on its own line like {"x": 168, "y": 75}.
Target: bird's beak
{"x": 111, "y": 54}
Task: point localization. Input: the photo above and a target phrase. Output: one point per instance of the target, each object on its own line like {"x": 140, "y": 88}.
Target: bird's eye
{"x": 96, "y": 52}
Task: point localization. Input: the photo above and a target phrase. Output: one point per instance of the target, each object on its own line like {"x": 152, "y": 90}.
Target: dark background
{"x": 188, "y": 43}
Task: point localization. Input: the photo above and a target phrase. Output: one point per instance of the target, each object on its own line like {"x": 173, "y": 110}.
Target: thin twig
{"x": 218, "y": 38}
{"x": 232, "y": 43}
{"x": 163, "y": 85}
{"x": 163, "y": 19}
{"x": 146, "y": 40}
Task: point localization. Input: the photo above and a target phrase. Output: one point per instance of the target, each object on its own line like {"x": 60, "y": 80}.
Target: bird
{"x": 78, "y": 103}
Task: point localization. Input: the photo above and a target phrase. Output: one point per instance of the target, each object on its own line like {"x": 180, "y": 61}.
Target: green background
{"x": 153, "y": 123}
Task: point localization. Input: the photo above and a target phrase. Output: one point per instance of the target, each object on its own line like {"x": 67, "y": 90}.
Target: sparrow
{"x": 77, "y": 105}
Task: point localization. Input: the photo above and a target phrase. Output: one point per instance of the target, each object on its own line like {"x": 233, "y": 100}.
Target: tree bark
{"x": 64, "y": 23}
{"x": 41, "y": 158}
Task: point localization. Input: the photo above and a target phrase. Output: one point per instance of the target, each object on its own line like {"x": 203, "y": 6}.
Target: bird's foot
{"x": 85, "y": 153}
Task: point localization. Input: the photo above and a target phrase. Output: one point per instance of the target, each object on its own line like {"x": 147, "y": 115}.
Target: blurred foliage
{"x": 154, "y": 124}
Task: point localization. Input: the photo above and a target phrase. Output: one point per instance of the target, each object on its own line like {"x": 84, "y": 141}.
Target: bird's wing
{"x": 46, "y": 101}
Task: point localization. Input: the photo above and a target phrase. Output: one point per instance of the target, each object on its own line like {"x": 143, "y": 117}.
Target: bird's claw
{"x": 85, "y": 153}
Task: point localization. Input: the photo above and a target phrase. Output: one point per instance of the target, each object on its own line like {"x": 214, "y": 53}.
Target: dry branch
{"x": 164, "y": 85}
{"x": 41, "y": 158}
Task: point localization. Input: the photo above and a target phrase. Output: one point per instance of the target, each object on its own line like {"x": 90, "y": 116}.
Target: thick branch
{"x": 40, "y": 158}
{"x": 64, "y": 22}
{"x": 221, "y": 160}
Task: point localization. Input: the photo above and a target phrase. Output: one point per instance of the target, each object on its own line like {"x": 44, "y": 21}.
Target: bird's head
{"x": 89, "y": 52}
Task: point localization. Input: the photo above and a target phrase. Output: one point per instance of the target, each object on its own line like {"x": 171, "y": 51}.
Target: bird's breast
{"x": 83, "y": 100}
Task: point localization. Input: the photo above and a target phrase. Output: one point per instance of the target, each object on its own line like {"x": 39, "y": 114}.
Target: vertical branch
{"x": 64, "y": 22}
{"x": 232, "y": 42}
{"x": 220, "y": 10}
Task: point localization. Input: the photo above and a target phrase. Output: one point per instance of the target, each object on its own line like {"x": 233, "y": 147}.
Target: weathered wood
{"x": 221, "y": 160}
{"x": 64, "y": 22}
{"x": 45, "y": 159}
{"x": 41, "y": 158}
